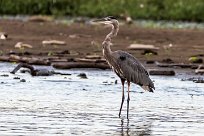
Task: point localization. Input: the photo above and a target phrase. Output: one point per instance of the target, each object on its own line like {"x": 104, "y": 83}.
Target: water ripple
{"x": 74, "y": 106}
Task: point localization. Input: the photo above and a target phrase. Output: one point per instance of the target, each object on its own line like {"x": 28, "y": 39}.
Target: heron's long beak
{"x": 102, "y": 20}
{"x": 99, "y": 20}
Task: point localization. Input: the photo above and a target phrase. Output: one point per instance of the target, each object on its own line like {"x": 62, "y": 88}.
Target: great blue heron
{"x": 125, "y": 65}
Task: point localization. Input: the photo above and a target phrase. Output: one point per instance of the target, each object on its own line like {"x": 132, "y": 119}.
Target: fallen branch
{"x": 70, "y": 65}
{"x": 162, "y": 72}
{"x": 142, "y": 47}
{"x": 36, "y": 72}
{"x": 176, "y": 65}
{"x": 89, "y": 60}
{"x": 35, "y": 61}
{"x": 4, "y": 58}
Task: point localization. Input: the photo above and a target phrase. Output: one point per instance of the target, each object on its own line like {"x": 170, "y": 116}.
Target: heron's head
{"x": 107, "y": 20}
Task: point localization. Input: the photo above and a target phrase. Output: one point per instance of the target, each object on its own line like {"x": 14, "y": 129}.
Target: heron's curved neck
{"x": 114, "y": 31}
{"x": 106, "y": 48}
{"x": 107, "y": 42}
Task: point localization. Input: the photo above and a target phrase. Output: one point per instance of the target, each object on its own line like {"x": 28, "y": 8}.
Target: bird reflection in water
{"x": 138, "y": 129}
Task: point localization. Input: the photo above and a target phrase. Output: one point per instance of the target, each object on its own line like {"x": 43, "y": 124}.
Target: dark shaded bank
{"x": 188, "y": 10}
{"x": 77, "y": 45}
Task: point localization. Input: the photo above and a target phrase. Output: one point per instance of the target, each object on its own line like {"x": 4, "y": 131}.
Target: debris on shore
{"x": 82, "y": 75}
{"x": 142, "y": 47}
{"x": 200, "y": 70}
{"x": 53, "y": 42}
{"x": 162, "y": 72}
{"x": 181, "y": 65}
{"x": 3, "y": 35}
{"x": 21, "y": 45}
{"x": 194, "y": 79}
{"x": 36, "y": 72}
{"x": 69, "y": 65}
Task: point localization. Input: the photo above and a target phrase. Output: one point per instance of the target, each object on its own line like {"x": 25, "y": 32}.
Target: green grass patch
{"x": 188, "y": 10}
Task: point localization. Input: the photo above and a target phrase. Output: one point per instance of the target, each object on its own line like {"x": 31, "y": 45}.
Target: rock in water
{"x": 22, "y": 80}
{"x": 82, "y": 75}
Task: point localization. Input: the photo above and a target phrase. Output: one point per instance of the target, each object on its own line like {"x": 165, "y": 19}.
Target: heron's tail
{"x": 151, "y": 89}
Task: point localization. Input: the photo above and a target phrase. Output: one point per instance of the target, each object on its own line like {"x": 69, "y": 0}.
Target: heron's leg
{"x": 128, "y": 99}
{"x": 123, "y": 96}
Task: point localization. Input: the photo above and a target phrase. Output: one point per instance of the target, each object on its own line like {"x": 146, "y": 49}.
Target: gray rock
{"x": 22, "y": 80}
{"x": 82, "y": 75}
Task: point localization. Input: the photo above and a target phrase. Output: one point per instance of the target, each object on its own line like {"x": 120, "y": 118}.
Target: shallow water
{"x": 68, "y": 105}
{"x": 138, "y": 22}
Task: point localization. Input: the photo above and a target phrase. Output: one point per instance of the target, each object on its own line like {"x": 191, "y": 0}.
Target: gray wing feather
{"x": 131, "y": 69}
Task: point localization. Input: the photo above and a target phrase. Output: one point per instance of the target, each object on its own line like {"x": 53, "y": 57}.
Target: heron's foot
{"x": 119, "y": 115}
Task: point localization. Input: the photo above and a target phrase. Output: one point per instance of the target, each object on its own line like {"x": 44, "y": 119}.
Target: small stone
{"x": 149, "y": 52}
{"x": 16, "y": 78}
{"x": 5, "y": 75}
{"x": 129, "y": 20}
{"x": 82, "y": 75}
{"x": 65, "y": 52}
{"x": 167, "y": 60}
{"x": 150, "y": 62}
{"x": 195, "y": 60}
{"x": 22, "y": 80}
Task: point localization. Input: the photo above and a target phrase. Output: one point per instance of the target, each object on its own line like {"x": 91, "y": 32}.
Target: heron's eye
{"x": 111, "y": 17}
{"x": 122, "y": 58}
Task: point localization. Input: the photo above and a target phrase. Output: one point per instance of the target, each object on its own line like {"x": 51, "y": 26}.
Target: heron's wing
{"x": 130, "y": 68}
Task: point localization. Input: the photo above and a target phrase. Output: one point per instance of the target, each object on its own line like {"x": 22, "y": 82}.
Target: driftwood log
{"x": 4, "y": 58}
{"x": 3, "y": 36}
{"x": 89, "y": 60}
{"x": 33, "y": 71}
{"x": 28, "y": 60}
{"x": 200, "y": 70}
{"x": 181, "y": 65}
{"x": 195, "y": 79}
{"x": 142, "y": 47}
{"x": 69, "y": 65}
{"x": 162, "y": 72}
{"x": 36, "y": 72}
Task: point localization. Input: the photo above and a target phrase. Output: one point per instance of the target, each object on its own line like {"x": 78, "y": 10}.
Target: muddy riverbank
{"x": 82, "y": 39}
